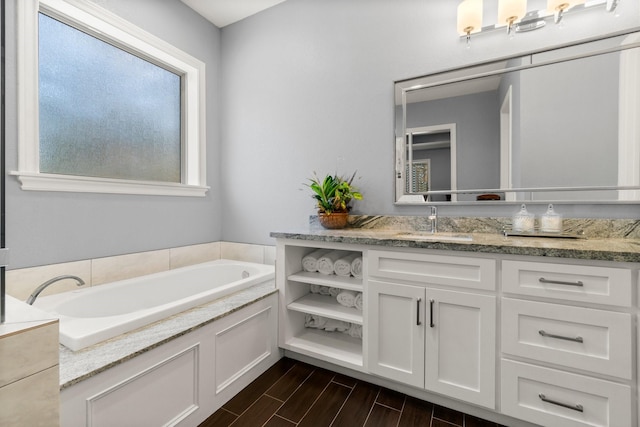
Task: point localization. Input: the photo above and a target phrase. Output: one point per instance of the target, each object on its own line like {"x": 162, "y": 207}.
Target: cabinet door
{"x": 396, "y": 331}
{"x": 460, "y": 346}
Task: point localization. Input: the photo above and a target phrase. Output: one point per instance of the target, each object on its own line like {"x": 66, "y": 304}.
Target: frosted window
{"x": 103, "y": 111}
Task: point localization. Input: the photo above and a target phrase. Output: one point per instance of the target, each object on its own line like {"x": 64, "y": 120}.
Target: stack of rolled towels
{"x": 332, "y": 325}
{"x": 328, "y": 261}
{"x": 344, "y": 297}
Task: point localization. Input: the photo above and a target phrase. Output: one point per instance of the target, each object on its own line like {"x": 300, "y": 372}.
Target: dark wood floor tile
{"x": 326, "y": 407}
{"x": 277, "y": 421}
{"x": 290, "y": 381}
{"x": 415, "y": 413}
{"x": 382, "y": 416}
{"x": 471, "y": 421}
{"x": 221, "y": 418}
{"x": 258, "y": 413}
{"x": 300, "y": 401}
{"x": 439, "y": 423}
{"x": 391, "y": 398}
{"x": 356, "y": 409}
{"x": 448, "y": 415}
{"x": 345, "y": 380}
{"x": 241, "y": 401}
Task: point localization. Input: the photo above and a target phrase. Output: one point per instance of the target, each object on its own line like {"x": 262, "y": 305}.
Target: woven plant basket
{"x": 334, "y": 220}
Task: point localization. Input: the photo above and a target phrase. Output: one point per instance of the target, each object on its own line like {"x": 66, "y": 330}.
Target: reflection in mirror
{"x": 430, "y": 151}
{"x": 553, "y": 126}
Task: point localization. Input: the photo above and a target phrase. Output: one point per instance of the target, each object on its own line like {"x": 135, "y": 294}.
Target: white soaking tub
{"x": 90, "y": 315}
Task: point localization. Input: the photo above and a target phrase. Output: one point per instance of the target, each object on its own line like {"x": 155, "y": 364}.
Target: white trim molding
{"x": 103, "y": 24}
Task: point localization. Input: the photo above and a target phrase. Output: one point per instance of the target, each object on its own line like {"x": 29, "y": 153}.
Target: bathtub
{"x": 94, "y": 314}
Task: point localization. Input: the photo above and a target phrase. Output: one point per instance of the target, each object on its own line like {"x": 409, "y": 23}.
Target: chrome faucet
{"x": 41, "y": 288}
{"x": 433, "y": 219}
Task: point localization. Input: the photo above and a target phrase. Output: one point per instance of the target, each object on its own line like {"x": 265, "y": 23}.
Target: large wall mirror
{"x": 560, "y": 125}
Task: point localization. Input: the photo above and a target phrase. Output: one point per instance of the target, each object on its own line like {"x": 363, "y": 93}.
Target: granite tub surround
{"x": 606, "y": 240}
{"x": 83, "y": 364}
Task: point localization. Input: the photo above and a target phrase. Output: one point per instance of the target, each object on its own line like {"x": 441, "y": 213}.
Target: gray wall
{"x": 304, "y": 86}
{"x": 49, "y": 227}
{"x": 308, "y": 86}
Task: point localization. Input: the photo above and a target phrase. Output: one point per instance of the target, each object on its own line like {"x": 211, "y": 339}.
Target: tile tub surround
{"x": 29, "y": 392}
{"x": 83, "y": 364}
{"x": 607, "y": 240}
{"x": 21, "y": 282}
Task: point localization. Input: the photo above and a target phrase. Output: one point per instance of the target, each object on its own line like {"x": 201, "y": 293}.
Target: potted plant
{"x": 333, "y": 195}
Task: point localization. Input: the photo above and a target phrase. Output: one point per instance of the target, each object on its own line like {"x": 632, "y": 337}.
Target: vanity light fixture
{"x": 469, "y": 18}
{"x": 514, "y": 15}
{"x": 558, "y": 7}
{"x": 510, "y": 12}
{"x": 611, "y": 5}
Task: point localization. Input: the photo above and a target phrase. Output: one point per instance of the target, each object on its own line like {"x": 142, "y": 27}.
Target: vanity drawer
{"x": 551, "y": 397}
{"x": 600, "y": 285}
{"x": 475, "y": 273}
{"x": 583, "y": 338}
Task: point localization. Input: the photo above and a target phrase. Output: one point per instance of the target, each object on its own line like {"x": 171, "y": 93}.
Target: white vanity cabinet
{"x": 567, "y": 353}
{"x": 432, "y": 337}
{"x": 531, "y": 340}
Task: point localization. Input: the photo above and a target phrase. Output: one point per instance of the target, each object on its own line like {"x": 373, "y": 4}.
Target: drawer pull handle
{"x": 431, "y": 302}
{"x": 576, "y": 407}
{"x": 418, "y": 322}
{"x": 561, "y": 282}
{"x": 560, "y": 337}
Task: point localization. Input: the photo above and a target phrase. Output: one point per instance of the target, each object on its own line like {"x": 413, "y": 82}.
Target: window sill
{"x": 79, "y": 184}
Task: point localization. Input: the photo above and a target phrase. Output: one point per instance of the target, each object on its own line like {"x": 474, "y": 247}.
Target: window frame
{"x": 98, "y": 22}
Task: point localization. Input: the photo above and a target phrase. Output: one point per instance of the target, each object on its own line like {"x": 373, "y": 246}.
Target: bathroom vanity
{"x": 520, "y": 330}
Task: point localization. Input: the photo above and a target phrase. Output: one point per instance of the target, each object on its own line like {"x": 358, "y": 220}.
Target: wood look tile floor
{"x": 293, "y": 393}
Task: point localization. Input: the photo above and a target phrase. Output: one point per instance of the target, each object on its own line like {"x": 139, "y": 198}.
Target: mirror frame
{"x": 530, "y": 60}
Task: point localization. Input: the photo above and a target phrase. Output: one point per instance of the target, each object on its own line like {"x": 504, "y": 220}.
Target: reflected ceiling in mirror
{"x": 559, "y": 125}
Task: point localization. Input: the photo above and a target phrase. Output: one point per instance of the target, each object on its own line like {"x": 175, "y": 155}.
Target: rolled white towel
{"x": 354, "y": 331}
{"x": 333, "y": 325}
{"x": 342, "y": 266}
{"x": 319, "y": 289}
{"x": 326, "y": 262}
{"x": 356, "y": 267}
{"x": 313, "y": 321}
{"x": 310, "y": 261}
{"x": 346, "y": 298}
{"x": 357, "y": 303}
{"x": 325, "y": 290}
{"x": 314, "y": 289}
{"x": 334, "y": 291}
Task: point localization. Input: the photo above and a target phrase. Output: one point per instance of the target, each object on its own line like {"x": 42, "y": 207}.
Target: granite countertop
{"x": 85, "y": 363}
{"x": 599, "y": 248}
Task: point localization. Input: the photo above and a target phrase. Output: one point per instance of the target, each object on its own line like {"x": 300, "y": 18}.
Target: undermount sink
{"x": 436, "y": 237}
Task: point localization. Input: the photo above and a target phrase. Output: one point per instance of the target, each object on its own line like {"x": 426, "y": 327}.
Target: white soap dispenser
{"x": 523, "y": 221}
{"x": 551, "y": 222}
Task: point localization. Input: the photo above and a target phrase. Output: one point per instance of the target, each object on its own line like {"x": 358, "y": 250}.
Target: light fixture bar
{"x": 536, "y": 19}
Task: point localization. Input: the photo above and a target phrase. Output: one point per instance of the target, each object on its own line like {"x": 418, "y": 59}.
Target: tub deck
{"x": 85, "y": 363}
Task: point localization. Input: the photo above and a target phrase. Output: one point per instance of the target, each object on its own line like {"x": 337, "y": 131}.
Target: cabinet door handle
{"x": 418, "y": 322}
{"x": 431, "y": 302}
{"x": 576, "y": 407}
{"x": 561, "y": 282}
{"x": 560, "y": 337}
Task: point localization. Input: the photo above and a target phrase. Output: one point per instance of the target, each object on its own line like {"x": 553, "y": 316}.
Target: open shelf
{"x": 326, "y": 306}
{"x": 331, "y": 280}
{"x": 331, "y": 345}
